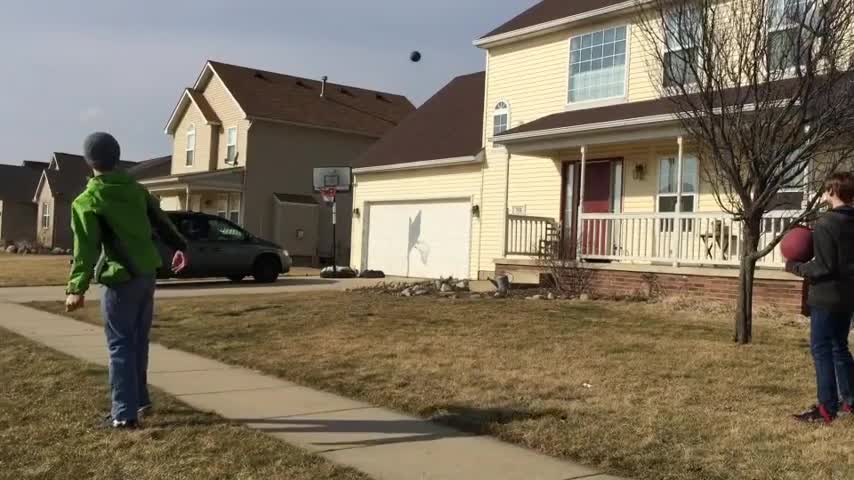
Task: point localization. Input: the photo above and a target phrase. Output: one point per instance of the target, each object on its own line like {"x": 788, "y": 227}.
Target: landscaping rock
{"x": 550, "y": 296}
{"x": 584, "y": 297}
{"x": 11, "y": 249}
{"x": 57, "y": 251}
{"x": 407, "y": 292}
{"x": 445, "y": 288}
{"x": 535, "y": 297}
{"x": 462, "y": 285}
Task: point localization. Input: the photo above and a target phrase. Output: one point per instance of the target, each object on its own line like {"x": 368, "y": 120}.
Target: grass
{"x": 639, "y": 390}
{"x": 51, "y": 270}
{"x": 33, "y": 270}
{"x": 49, "y": 404}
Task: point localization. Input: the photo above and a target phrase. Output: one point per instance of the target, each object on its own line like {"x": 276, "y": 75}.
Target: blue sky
{"x": 70, "y": 68}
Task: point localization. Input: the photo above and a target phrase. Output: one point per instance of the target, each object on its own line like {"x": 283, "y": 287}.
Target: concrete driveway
{"x": 183, "y": 288}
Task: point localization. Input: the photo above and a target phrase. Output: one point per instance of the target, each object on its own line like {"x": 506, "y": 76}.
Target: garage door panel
{"x": 420, "y": 239}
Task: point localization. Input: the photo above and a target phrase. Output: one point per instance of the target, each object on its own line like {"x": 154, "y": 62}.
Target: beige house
{"x": 580, "y": 156}
{"x": 61, "y": 182}
{"x": 246, "y": 142}
{"x": 17, "y": 209}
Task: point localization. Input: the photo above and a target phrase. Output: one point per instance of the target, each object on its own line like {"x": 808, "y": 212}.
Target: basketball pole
{"x": 334, "y": 240}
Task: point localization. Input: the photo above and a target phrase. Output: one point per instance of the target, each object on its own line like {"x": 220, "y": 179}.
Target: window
{"x": 682, "y": 36}
{"x": 45, "y": 215}
{"x": 234, "y": 208}
{"x": 501, "y": 118}
{"x": 789, "y": 22}
{"x": 792, "y": 194}
{"x": 598, "y": 65}
{"x": 224, "y": 231}
{"x": 228, "y": 207}
{"x": 191, "y": 146}
{"x": 668, "y": 188}
{"x": 231, "y": 148}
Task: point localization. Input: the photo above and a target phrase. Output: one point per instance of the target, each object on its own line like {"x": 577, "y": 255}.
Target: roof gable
{"x": 448, "y": 125}
{"x": 195, "y": 98}
{"x": 69, "y": 173}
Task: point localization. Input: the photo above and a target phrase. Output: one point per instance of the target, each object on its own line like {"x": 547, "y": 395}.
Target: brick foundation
{"x": 785, "y": 294}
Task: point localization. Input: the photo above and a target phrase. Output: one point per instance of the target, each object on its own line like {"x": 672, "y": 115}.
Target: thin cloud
{"x": 90, "y": 114}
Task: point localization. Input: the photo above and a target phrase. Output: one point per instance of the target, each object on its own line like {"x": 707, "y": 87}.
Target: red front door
{"x": 597, "y": 199}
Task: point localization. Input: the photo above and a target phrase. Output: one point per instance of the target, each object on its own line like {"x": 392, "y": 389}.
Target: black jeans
{"x": 834, "y": 367}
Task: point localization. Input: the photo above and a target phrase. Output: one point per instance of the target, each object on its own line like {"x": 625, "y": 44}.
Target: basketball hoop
{"x": 328, "y": 194}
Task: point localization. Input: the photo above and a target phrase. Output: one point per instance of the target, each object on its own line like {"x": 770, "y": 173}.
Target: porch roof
{"x": 648, "y": 112}
{"x": 226, "y": 179}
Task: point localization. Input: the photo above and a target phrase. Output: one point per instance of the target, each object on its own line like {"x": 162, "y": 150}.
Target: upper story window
{"x": 191, "y": 146}
{"x": 45, "y": 215}
{"x": 501, "y": 118}
{"x": 682, "y": 39}
{"x": 231, "y": 148}
{"x": 789, "y": 23}
{"x": 598, "y": 65}
{"x": 668, "y": 183}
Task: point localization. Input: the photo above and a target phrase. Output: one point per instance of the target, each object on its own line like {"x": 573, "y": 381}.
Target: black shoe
{"x": 110, "y": 424}
{"x": 817, "y": 414}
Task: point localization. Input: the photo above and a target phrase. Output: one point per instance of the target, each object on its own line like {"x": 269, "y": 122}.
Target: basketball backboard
{"x": 338, "y": 177}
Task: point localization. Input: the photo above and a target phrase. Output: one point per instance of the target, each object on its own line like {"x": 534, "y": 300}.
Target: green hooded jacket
{"x": 117, "y": 216}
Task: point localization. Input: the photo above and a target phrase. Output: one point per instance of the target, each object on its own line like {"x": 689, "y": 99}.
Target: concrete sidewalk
{"x": 379, "y": 442}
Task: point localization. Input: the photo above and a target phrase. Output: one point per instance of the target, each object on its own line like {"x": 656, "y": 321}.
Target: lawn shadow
{"x": 480, "y": 421}
{"x": 381, "y": 432}
{"x": 222, "y": 283}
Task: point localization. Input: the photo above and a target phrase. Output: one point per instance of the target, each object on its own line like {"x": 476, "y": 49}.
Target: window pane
{"x": 190, "y": 157}
{"x": 500, "y": 124}
{"x": 597, "y": 70}
{"x": 667, "y": 176}
{"x": 690, "y": 174}
{"x": 222, "y": 231}
{"x": 231, "y": 155}
{"x": 676, "y": 68}
{"x": 232, "y": 136}
{"x": 667, "y": 204}
{"x": 234, "y": 217}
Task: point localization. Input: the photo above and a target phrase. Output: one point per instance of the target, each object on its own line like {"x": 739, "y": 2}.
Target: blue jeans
{"x": 128, "y": 310}
{"x": 834, "y": 367}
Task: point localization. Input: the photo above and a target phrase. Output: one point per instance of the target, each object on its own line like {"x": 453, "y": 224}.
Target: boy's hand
{"x": 179, "y": 262}
{"x": 74, "y": 302}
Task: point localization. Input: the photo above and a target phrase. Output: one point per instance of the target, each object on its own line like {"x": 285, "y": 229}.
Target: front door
{"x": 602, "y": 185}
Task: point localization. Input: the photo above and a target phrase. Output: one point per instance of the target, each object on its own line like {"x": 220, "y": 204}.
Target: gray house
{"x": 17, "y": 209}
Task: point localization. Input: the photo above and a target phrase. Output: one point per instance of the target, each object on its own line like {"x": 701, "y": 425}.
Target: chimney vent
{"x": 323, "y": 86}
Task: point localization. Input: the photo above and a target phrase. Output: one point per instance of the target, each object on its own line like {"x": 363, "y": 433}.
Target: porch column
{"x": 188, "y": 198}
{"x": 579, "y": 223}
{"x": 677, "y": 228}
{"x": 228, "y": 206}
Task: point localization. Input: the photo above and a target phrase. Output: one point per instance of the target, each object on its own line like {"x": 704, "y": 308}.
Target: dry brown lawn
{"x": 639, "y": 390}
{"x": 33, "y": 270}
{"x": 49, "y": 404}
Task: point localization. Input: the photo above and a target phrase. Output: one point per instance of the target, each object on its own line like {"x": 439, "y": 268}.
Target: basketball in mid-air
{"x": 797, "y": 245}
{"x": 415, "y": 56}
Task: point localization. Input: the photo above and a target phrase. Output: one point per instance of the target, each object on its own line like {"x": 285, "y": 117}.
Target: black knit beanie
{"x": 102, "y": 151}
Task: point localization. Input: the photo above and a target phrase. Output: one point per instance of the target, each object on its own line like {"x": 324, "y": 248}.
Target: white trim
{"x": 442, "y": 162}
{"x": 553, "y": 25}
{"x": 191, "y": 132}
{"x": 42, "y": 181}
{"x": 583, "y": 104}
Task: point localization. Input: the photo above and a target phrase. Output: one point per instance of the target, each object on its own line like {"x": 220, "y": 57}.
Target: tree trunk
{"x": 744, "y": 308}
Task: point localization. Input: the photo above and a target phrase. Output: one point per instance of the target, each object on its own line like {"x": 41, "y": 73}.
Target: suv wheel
{"x": 266, "y": 270}
{"x": 235, "y": 278}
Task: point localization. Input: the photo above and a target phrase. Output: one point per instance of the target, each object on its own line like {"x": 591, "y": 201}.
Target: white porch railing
{"x": 700, "y": 239}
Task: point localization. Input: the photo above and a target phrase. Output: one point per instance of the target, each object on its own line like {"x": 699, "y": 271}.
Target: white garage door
{"x": 420, "y": 239}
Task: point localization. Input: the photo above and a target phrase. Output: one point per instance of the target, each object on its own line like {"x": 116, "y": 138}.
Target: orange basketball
{"x": 797, "y": 245}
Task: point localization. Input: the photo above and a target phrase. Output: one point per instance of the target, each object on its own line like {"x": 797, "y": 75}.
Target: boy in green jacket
{"x": 114, "y": 221}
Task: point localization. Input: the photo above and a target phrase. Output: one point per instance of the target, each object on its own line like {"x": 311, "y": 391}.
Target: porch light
{"x": 475, "y": 211}
{"x": 640, "y": 171}
{"x": 357, "y": 213}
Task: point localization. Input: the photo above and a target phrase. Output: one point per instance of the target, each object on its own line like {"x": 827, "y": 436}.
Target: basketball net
{"x": 328, "y": 194}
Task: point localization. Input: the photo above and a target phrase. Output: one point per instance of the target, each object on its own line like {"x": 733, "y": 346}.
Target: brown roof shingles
{"x": 279, "y": 97}
{"x": 448, "y": 125}
{"x": 204, "y": 107}
{"x": 71, "y": 174}
{"x": 548, "y": 10}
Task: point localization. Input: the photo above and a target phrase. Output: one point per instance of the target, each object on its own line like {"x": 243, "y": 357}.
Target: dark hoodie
{"x": 831, "y": 273}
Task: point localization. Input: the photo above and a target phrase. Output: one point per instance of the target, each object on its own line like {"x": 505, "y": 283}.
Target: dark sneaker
{"x": 144, "y": 410}
{"x": 109, "y": 423}
{"x": 817, "y": 414}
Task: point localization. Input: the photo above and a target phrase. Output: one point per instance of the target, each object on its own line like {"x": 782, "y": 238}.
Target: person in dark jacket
{"x": 114, "y": 221}
{"x": 831, "y": 300}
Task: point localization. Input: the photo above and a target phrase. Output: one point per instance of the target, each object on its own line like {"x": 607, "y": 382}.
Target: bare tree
{"x": 764, "y": 88}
